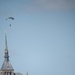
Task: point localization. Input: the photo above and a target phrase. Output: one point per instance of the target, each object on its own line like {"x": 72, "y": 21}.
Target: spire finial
{"x": 27, "y": 73}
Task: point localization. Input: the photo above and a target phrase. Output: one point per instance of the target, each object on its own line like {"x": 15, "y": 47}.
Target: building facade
{"x": 7, "y": 68}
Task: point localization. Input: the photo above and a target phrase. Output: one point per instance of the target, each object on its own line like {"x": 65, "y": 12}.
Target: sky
{"x": 41, "y": 38}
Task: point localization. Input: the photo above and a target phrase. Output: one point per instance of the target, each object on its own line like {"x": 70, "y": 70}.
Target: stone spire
{"x": 6, "y": 64}
{"x": 27, "y": 73}
{"x": 6, "y": 49}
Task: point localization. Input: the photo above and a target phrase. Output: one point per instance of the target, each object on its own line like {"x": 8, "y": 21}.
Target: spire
{"x": 6, "y": 64}
{"x": 27, "y": 73}
{"x": 6, "y": 41}
{"x": 6, "y": 48}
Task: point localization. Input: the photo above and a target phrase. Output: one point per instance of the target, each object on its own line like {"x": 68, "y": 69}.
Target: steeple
{"x": 6, "y": 64}
{"x": 27, "y": 73}
{"x": 6, "y": 49}
{"x": 6, "y": 40}
{"x": 7, "y": 68}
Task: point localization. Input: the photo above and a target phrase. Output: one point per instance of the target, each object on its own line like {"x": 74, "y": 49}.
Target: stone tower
{"x": 6, "y": 68}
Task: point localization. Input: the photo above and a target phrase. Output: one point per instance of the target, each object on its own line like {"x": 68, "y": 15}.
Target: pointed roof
{"x": 6, "y": 64}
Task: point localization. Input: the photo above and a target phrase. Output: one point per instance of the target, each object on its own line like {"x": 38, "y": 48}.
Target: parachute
{"x": 10, "y": 18}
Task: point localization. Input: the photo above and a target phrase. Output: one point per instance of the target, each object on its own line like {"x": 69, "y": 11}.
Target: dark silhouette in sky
{"x": 9, "y": 18}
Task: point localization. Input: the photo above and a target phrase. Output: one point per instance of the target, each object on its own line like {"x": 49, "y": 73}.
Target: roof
{"x": 7, "y": 66}
{"x": 18, "y": 73}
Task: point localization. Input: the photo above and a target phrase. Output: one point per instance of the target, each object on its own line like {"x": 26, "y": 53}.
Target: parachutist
{"x": 10, "y": 25}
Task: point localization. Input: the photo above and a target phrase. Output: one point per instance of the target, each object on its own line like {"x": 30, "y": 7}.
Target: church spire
{"x": 6, "y": 41}
{"x": 27, "y": 73}
{"x": 6, "y": 48}
{"x": 6, "y": 64}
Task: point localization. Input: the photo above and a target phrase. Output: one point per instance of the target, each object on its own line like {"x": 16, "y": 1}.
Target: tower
{"x": 6, "y": 68}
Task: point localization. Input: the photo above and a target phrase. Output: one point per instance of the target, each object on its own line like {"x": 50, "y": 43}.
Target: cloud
{"x": 51, "y": 5}
{"x": 10, "y": 7}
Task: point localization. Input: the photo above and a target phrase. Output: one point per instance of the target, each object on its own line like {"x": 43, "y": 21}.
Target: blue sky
{"x": 41, "y": 39}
